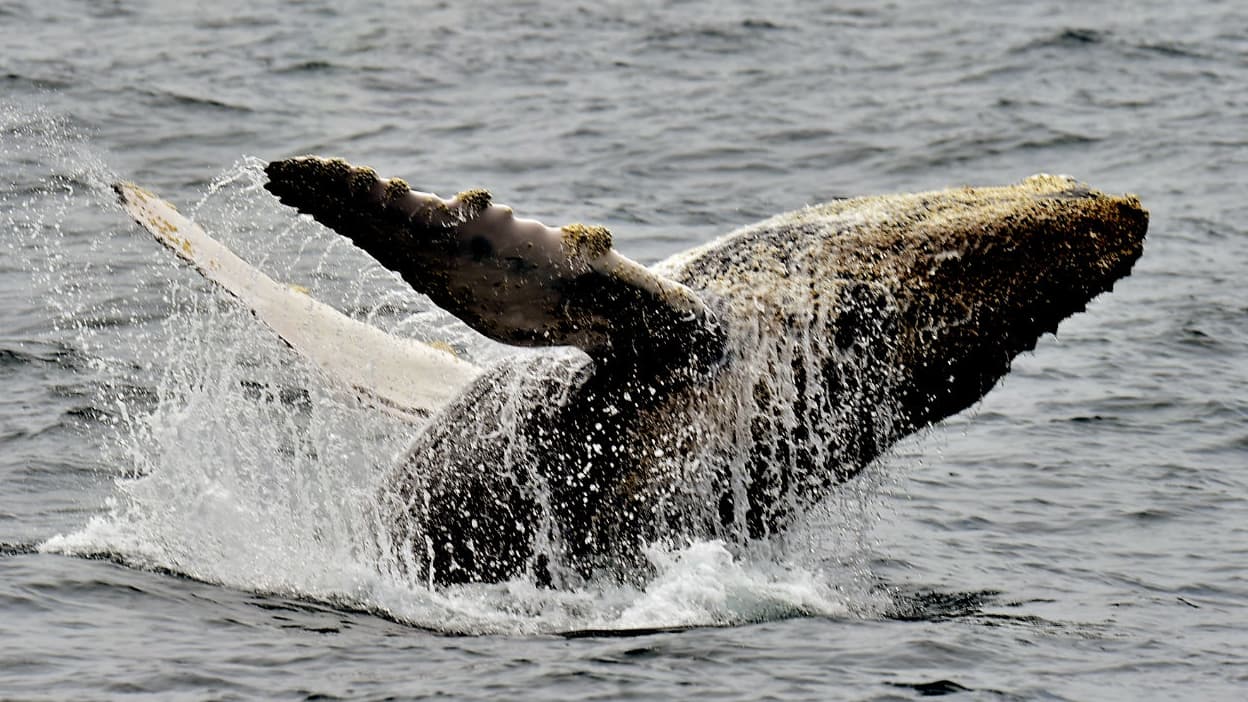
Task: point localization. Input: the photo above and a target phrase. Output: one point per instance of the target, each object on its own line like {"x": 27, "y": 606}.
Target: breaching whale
{"x": 719, "y": 394}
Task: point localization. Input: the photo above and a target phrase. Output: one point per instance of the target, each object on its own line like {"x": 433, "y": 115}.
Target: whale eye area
{"x": 480, "y": 248}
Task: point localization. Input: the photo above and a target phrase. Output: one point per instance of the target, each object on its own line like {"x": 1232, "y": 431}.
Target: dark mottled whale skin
{"x": 723, "y": 392}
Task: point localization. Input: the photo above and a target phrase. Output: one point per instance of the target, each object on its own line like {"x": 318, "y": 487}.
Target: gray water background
{"x": 1080, "y": 534}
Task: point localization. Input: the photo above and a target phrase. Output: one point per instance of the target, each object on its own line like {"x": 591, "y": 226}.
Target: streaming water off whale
{"x": 244, "y": 468}
{"x": 1078, "y": 535}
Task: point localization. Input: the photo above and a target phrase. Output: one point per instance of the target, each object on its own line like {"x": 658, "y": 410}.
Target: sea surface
{"x": 180, "y": 495}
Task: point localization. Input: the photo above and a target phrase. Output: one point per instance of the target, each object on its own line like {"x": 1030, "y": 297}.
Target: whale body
{"x": 719, "y": 394}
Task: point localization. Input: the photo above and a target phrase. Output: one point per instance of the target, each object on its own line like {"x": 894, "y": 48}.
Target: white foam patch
{"x": 704, "y": 584}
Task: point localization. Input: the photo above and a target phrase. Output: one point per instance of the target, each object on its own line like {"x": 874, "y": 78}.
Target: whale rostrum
{"x": 722, "y": 392}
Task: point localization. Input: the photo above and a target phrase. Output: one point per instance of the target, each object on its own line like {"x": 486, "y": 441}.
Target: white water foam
{"x": 240, "y": 465}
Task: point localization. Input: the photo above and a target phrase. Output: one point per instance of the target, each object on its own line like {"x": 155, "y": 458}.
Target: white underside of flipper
{"x": 404, "y": 377}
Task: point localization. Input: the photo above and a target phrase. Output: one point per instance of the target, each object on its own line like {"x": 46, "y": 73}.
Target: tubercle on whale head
{"x": 980, "y": 295}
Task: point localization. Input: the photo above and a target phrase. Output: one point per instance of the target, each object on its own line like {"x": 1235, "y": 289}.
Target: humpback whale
{"x": 718, "y": 394}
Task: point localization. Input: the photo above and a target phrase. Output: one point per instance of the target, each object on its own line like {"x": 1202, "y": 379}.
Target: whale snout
{"x": 1003, "y": 270}
{"x": 1079, "y": 244}
{"x": 1058, "y": 255}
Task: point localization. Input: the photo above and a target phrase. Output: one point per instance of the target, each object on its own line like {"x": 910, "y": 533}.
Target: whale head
{"x": 989, "y": 271}
{"x": 860, "y": 321}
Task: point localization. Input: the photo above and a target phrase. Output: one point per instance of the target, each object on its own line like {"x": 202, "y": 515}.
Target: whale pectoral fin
{"x": 403, "y": 377}
{"x": 515, "y": 280}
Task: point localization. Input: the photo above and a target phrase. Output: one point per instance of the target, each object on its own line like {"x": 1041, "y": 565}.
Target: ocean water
{"x": 183, "y": 502}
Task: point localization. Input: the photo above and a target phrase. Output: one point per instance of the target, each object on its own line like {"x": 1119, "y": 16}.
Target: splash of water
{"x": 239, "y": 464}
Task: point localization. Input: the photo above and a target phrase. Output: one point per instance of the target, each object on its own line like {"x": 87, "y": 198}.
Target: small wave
{"x": 718, "y": 37}
{"x": 173, "y": 97}
{"x": 42, "y": 353}
{"x": 760, "y": 24}
{"x": 932, "y": 605}
{"x": 17, "y": 357}
{"x": 983, "y": 607}
{"x": 1057, "y": 140}
{"x": 1080, "y": 36}
{"x": 938, "y": 688}
{"x": 17, "y": 549}
{"x": 1068, "y": 38}
{"x": 18, "y": 81}
{"x": 1172, "y": 49}
{"x": 309, "y": 66}
{"x": 1079, "y": 39}
{"x": 234, "y": 21}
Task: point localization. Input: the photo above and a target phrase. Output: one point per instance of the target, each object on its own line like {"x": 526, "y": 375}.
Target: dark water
{"x": 1080, "y": 534}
